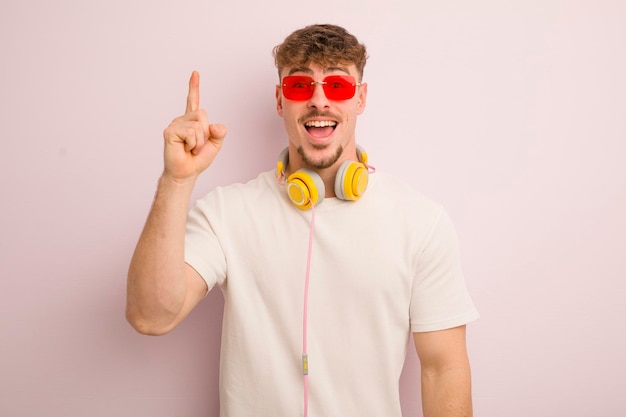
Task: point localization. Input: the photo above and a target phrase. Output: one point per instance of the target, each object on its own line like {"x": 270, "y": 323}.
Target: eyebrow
{"x": 310, "y": 71}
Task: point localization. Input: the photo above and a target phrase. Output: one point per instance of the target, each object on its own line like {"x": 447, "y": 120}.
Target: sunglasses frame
{"x": 346, "y": 91}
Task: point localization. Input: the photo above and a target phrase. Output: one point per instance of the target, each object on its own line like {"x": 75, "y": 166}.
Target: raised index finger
{"x": 193, "y": 97}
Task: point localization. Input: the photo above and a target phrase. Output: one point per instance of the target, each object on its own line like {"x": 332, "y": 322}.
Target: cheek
{"x": 290, "y": 114}
{"x": 351, "y": 116}
{"x": 289, "y": 119}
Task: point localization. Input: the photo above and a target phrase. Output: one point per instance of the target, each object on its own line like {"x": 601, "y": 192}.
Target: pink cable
{"x": 305, "y": 357}
{"x": 305, "y": 360}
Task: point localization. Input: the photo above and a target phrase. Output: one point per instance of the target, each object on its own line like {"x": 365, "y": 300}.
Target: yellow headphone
{"x": 305, "y": 187}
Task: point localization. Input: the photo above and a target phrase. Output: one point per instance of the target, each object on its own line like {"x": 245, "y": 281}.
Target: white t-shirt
{"x": 382, "y": 267}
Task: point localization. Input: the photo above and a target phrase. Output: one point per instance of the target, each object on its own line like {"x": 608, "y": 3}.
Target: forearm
{"x": 447, "y": 393}
{"x": 156, "y": 278}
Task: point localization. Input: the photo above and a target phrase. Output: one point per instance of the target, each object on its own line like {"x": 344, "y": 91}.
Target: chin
{"x": 320, "y": 160}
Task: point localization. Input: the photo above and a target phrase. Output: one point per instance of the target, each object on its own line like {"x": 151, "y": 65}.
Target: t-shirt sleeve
{"x": 203, "y": 250}
{"x": 440, "y": 299}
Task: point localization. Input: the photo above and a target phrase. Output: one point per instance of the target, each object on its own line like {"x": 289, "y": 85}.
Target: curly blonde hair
{"x": 325, "y": 45}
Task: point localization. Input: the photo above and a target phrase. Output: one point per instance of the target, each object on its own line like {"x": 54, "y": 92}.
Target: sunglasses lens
{"x": 302, "y": 87}
{"x": 298, "y": 87}
{"x": 339, "y": 87}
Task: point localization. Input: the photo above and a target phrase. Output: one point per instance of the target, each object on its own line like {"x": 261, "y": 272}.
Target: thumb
{"x": 217, "y": 131}
{"x": 212, "y": 146}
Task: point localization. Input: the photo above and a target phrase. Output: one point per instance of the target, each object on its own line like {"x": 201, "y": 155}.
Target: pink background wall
{"x": 512, "y": 114}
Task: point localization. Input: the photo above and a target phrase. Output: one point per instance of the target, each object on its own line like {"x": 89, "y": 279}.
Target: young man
{"x": 327, "y": 272}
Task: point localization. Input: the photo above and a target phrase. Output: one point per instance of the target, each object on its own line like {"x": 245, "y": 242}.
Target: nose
{"x": 318, "y": 99}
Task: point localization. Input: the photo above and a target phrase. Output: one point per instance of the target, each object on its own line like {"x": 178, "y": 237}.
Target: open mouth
{"x": 320, "y": 128}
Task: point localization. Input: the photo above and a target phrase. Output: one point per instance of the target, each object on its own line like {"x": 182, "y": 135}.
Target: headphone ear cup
{"x": 351, "y": 180}
{"x": 305, "y": 188}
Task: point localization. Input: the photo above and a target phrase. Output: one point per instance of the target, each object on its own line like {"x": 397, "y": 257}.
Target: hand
{"x": 191, "y": 143}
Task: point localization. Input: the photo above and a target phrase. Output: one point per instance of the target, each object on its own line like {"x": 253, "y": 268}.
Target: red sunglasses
{"x": 302, "y": 87}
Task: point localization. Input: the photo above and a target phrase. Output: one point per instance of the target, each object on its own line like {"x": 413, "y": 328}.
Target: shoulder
{"x": 265, "y": 184}
{"x": 402, "y": 197}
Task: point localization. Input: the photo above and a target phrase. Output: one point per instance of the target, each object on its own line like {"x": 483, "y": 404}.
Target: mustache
{"x": 318, "y": 114}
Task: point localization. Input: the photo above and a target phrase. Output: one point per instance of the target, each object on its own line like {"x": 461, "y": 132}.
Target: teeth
{"x": 318, "y": 123}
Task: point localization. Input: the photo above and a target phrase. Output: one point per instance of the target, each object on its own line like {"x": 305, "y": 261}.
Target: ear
{"x": 279, "y": 101}
{"x": 362, "y": 96}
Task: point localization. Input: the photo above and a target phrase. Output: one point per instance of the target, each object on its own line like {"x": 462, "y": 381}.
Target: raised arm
{"x": 446, "y": 376}
{"x": 162, "y": 289}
